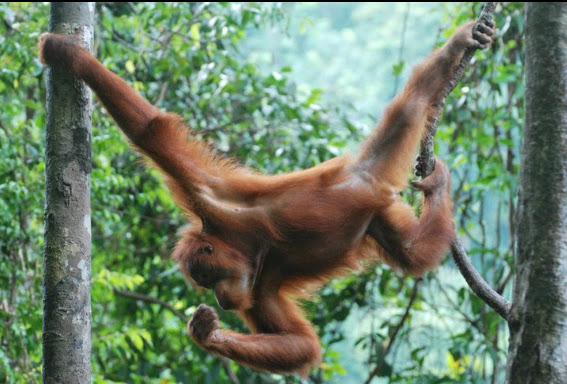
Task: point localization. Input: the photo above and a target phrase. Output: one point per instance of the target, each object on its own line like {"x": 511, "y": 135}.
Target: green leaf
{"x": 130, "y": 66}
{"x": 398, "y": 68}
{"x": 195, "y": 33}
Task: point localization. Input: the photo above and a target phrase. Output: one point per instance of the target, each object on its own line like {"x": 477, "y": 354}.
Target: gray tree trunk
{"x": 67, "y": 252}
{"x": 538, "y": 320}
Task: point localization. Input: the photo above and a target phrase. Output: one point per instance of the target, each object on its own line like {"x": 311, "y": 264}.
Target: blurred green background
{"x": 280, "y": 86}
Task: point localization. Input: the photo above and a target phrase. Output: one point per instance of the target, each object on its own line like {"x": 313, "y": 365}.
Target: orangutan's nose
{"x": 203, "y": 276}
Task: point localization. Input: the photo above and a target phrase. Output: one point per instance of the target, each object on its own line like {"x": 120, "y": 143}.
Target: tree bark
{"x": 67, "y": 252}
{"x": 538, "y": 319}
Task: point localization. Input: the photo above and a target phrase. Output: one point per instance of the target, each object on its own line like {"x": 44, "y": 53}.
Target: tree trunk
{"x": 67, "y": 252}
{"x": 538, "y": 320}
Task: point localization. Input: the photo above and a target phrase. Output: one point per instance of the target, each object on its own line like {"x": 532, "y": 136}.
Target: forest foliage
{"x": 280, "y": 87}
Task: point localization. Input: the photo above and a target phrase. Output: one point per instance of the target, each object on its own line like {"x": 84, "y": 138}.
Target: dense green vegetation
{"x": 281, "y": 88}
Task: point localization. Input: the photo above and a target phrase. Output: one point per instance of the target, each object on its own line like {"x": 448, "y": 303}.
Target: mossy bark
{"x": 538, "y": 319}
{"x": 67, "y": 252}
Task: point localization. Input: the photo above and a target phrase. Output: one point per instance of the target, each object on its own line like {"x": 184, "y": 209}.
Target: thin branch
{"x": 402, "y": 44}
{"x": 425, "y": 166}
{"x": 230, "y": 373}
{"x": 504, "y": 282}
{"x": 161, "y": 96}
{"x": 160, "y": 220}
{"x": 405, "y": 316}
{"x": 479, "y": 286}
{"x": 396, "y": 329}
{"x": 456, "y": 307}
{"x": 153, "y": 300}
{"x": 149, "y": 299}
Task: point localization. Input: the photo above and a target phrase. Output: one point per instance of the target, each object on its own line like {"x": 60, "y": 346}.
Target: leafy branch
{"x": 396, "y": 330}
{"x": 153, "y": 300}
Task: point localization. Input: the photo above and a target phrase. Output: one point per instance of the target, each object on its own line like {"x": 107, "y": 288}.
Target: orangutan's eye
{"x": 206, "y": 249}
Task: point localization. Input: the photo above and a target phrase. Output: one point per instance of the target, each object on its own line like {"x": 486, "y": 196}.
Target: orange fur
{"x": 262, "y": 240}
